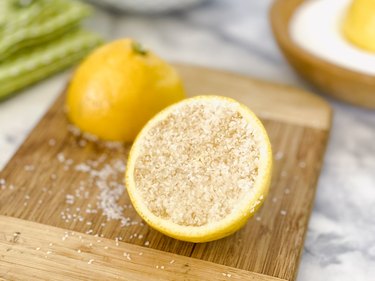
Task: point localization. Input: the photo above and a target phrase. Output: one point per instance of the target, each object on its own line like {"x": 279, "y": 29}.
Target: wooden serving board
{"x": 52, "y": 228}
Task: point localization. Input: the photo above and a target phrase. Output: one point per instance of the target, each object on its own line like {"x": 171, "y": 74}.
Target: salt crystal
{"x": 279, "y": 155}
{"x": 29, "y": 168}
{"x": 51, "y": 142}
{"x": 61, "y": 157}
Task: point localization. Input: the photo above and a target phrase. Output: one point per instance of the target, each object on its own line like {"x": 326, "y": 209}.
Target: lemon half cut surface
{"x": 200, "y": 168}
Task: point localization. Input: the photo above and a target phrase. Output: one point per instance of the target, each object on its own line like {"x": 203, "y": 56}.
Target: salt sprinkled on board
{"x": 110, "y": 190}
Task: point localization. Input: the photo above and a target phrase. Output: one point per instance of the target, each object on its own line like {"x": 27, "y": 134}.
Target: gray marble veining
{"x": 235, "y": 35}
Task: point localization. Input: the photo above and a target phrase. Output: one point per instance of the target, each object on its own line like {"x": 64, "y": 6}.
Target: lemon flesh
{"x": 118, "y": 88}
{"x": 359, "y": 24}
{"x": 200, "y": 168}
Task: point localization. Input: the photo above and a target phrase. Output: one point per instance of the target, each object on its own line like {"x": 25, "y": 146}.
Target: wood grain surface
{"x": 347, "y": 85}
{"x": 42, "y": 187}
{"x": 51, "y": 253}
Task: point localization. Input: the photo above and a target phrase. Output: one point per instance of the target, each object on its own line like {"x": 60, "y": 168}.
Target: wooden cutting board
{"x": 51, "y": 226}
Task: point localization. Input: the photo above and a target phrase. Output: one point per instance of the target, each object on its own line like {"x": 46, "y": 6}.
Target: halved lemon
{"x": 200, "y": 168}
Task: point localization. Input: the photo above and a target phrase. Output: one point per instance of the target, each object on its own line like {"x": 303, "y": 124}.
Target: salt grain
{"x": 279, "y": 155}
{"x": 127, "y": 255}
{"x": 51, "y": 142}
{"x": 283, "y": 212}
{"x": 82, "y": 143}
{"x": 61, "y": 157}
{"x": 69, "y": 199}
{"x": 29, "y": 168}
{"x": 90, "y": 261}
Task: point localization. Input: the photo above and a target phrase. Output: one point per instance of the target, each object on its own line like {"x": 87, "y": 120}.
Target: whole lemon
{"x": 118, "y": 88}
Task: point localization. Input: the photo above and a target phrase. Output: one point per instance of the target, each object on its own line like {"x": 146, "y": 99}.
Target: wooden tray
{"x": 39, "y": 241}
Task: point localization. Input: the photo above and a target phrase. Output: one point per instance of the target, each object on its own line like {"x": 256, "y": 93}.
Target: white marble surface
{"x": 235, "y": 35}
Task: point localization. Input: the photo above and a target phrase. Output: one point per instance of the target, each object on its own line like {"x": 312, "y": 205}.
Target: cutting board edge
{"x": 23, "y": 237}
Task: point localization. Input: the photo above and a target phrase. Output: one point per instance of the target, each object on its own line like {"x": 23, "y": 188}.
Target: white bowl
{"x": 148, "y": 6}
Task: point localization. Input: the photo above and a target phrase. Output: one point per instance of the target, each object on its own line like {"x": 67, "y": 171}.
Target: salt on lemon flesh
{"x": 200, "y": 168}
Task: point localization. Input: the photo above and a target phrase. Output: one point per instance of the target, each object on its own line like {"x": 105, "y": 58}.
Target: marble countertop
{"x": 235, "y": 35}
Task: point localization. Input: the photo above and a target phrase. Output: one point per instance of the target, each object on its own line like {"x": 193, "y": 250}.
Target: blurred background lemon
{"x": 118, "y": 88}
